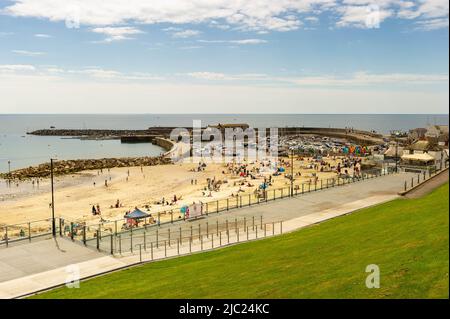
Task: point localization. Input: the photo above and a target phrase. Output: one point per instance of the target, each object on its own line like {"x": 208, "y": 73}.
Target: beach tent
{"x": 195, "y": 210}
{"x": 137, "y": 214}
{"x": 134, "y": 217}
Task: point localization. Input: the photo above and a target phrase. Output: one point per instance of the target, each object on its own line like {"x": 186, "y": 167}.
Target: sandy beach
{"x": 140, "y": 187}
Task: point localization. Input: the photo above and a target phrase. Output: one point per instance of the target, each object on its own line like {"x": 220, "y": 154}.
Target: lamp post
{"x": 396, "y": 152}
{"x": 9, "y": 169}
{"x": 292, "y": 172}
{"x": 53, "y": 199}
{"x": 396, "y": 156}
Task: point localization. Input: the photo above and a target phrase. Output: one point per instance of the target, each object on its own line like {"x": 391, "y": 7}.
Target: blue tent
{"x": 137, "y": 214}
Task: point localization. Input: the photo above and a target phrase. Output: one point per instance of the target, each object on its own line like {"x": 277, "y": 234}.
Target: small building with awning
{"x": 418, "y": 159}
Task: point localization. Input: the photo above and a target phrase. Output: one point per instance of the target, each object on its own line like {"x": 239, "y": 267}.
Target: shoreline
{"x": 71, "y": 166}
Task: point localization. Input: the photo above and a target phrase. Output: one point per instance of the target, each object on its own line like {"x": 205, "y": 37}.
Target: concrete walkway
{"x": 296, "y": 213}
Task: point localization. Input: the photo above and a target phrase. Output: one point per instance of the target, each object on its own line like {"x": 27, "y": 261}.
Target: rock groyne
{"x": 65, "y": 167}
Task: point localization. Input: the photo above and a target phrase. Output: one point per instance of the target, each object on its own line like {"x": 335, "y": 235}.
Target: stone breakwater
{"x": 64, "y": 167}
{"x": 89, "y": 133}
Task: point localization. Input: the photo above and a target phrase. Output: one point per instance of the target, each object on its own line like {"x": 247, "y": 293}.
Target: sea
{"x": 19, "y": 150}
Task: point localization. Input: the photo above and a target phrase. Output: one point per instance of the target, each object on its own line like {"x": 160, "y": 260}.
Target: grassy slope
{"x": 407, "y": 239}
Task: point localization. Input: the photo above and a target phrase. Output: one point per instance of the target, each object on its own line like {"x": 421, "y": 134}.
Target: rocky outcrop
{"x": 74, "y": 166}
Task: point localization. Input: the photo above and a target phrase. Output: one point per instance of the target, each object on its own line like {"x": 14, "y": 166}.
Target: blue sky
{"x": 239, "y": 56}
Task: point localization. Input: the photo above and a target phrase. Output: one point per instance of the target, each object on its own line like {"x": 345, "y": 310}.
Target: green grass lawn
{"x": 407, "y": 238}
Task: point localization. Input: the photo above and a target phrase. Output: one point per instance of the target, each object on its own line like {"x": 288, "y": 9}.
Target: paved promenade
{"x": 297, "y": 212}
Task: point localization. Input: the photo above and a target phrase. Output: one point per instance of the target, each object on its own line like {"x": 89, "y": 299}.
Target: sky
{"x": 224, "y": 56}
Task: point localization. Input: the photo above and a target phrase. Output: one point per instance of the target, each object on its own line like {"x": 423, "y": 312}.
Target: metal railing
{"x": 10, "y": 234}
{"x": 422, "y": 177}
{"x": 183, "y": 240}
{"x": 85, "y": 232}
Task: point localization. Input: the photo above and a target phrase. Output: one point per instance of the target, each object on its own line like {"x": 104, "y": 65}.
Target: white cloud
{"x": 186, "y": 34}
{"x": 432, "y": 24}
{"x": 248, "y": 41}
{"x": 210, "y": 76}
{"x": 258, "y": 16}
{"x": 117, "y": 33}
{"x": 28, "y": 53}
{"x": 367, "y": 79}
{"x": 191, "y": 47}
{"x": 42, "y": 35}
{"x": 358, "y": 79}
{"x": 111, "y": 75}
{"x": 16, "y": 68}
{"x": 241, "y": 41}
{"x": 114, "y": 91}
{"x": 362, "y": 16}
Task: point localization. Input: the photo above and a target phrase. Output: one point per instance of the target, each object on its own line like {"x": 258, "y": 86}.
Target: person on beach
{"x": 98, "y": 209}
{"x": 106, "y": 183}
{"x": 94, "y": 211}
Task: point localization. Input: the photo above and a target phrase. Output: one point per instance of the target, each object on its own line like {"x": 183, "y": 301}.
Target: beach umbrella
{"x": 184, "y": 209}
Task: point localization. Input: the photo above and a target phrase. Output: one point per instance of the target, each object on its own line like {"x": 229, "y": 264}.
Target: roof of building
{"x": 423, "y": 146}
{"x": 392, "y": 151}
{"x": 423, "y": 157}
{"x": 436, "y": 130}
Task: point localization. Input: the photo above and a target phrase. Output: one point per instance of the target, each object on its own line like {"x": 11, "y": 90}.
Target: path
{"x": 429, "y": 185}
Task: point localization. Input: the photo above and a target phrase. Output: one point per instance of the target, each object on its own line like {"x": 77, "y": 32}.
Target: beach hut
{"x": 135, "y": 216}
